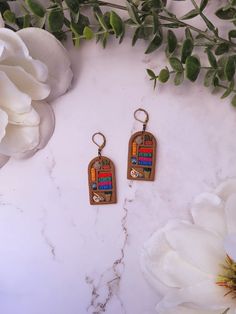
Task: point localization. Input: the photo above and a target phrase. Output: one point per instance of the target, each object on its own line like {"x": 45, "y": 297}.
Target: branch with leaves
{"x": 149, "y": 20}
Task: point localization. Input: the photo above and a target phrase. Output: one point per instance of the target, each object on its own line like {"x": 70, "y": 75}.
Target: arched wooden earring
{"x": 142, "y": 152}
{"x": 101, "y": 176}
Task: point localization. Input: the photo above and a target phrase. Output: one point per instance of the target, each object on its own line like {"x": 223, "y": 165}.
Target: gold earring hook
{"x": 100, "y": 146}
{"x": 142, "y": 121}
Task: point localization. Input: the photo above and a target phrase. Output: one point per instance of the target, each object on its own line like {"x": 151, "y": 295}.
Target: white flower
{"x": 34, "y": 69}
{"x": 183, "y": 260}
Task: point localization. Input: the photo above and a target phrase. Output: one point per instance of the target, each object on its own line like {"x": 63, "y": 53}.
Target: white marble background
{"x": 58, "y": 254}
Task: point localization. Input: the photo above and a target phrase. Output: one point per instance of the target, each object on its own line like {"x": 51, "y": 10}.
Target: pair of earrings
{"x": 141, "y": 164}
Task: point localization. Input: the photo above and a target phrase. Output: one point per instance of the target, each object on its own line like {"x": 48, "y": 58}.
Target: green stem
{"x": 170, "y": 19}
{"x": 234, "y": 90}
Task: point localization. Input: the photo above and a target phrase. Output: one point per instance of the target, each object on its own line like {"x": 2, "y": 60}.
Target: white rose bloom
{"x": 34, "y": 68}
{"x": 186, "y": 262}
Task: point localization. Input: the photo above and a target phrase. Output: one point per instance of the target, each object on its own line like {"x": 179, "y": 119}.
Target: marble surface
{"x": 59, "y": 255}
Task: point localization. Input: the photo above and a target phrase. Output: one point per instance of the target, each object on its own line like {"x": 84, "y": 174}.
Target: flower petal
{"x": 230, "y": 209}
{"x": 3, "y": 160}
{"x": 3, "y": 123}
{"x": 30, "y": 118}
{"x": 204, "y": 296}
{"x": 46, "y": 48}
{"x": 13, "y": 44}
{"x": 166, "y": 265}
{"x": 11, "y": 97}
{"x": 46, "y": 128}
{"x": 153, "y": 248}
{"x": 34, "y": 67}
{"x": 187, "y": 310}
{"x": 19, "y": 139}
{"x": 225, "y": 189}
{"x": 208, "y": 212}
{"x": 197, "y": 246}
{"x": 25, "y": 82}
{"x": 230, "y": 245}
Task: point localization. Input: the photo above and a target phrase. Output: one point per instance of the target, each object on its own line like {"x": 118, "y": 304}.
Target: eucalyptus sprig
{"x": 198, "y": 50}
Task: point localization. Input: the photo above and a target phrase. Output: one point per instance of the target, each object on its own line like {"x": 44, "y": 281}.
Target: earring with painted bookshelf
{"x": 142, "y": 151}
{"x": 101, "y": 175}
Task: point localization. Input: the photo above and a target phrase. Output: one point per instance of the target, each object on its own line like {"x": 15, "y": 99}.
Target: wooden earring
{"x": 142, "y": 152}
{"x": 101, "y": 176}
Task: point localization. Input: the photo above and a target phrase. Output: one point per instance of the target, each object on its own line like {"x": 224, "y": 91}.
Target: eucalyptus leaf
{"x": 233, "y": 102}
{"x": 151, "y": 73}
{"x": 188, "y": 33}
{"x": 4, "y": 6}
{"x": 36, "y": 7}
{"x": 55, "y": 19}
{"x": 155, "y": 43}
{"x": 203, "y": 4}
{"x": 133, "y": 12}
{"x": 193, "y": 67}
{"x": 88, "y": 33}
{"x": 191, "y": 14}
{"x": 172, "y": 41}
{"x": 73, "y": 5}
{"x": 116, "y": 23}
{"x": 228, "y": 90}
{"x": 208, "y": 79}
{"x": 222, "y": 48}
{"x": 164, "y": 75}
{"x": 26, "y": 20}
{"x": 176, "y": 64}
{"x": 232, "y": 34}
{"x": 229, "y": 68}
{"x": 212, "y": 59}
{"x": 9, "y": 16}
{"x": 187, "y": 49}
{"x": 179, "y": 78}
{"x": 224, "y": 14}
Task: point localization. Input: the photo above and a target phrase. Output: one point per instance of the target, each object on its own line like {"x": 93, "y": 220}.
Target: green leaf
{"x": 224, "y": 14}
{"x": 101, "y": 21}
{"x": 116, "y": 23}
{"x": 203, "y": 5}
{"x": 187, "y": 49}
{"x": 36, "y": 7}
{"x": 88, "y": 33}
{"x": 164, "y": 75}
{"x": 55, "y": 19}
{"x": 229, "y": 68}
{"x": 172, "y": 41}
{"x": 9, "y": 16}
{"x": 37, "y": 21}
{"x": 26, "y": 21}
{"x": 228, "y": 90}
{"x": 212, "y": 59}
{"x": 232, "y": 34}
{"x": 4, "y": 6}
{"x": 221, "y": 49}
{"x": 176, "y": 64}
{"x": 156, "y": 22}
{"x": 233, "y": 102}
{"x": 193, "y": 67}
{"x": 133, "y": 12}
{"x": 155, "y": 43}
{"x": 188, "y": 33}
{"x": 179, "y": 77}
{"x": 191, "y": 14}
{"x": 151, "y": 74}
{"x": 73, "y": 5}
{"x": 208, "y": 23}
{"x": 215, "y": 81}
{"x": 209, "y": 76}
